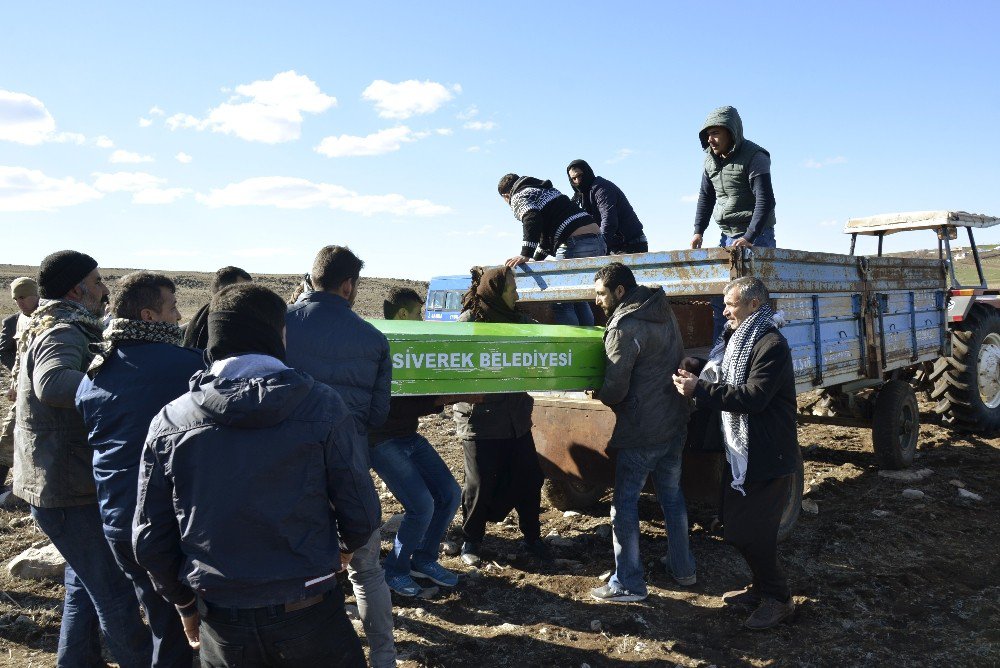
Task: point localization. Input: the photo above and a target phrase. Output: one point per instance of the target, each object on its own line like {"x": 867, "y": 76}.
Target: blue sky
{"x": 194, "y": 135}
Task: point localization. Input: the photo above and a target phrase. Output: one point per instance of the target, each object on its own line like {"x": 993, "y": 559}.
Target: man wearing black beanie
{"x": 266, "y": 497}
{"x": 52, "y": 463}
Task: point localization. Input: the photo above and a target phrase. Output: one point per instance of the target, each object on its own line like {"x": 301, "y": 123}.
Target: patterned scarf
{"x": 124, "y": 329}
{"x": 735, "y": 368}
{"x": 52, "y": 312}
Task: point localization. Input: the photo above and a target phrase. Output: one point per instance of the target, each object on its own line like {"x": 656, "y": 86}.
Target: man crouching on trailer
{"x": 749, "y": 377}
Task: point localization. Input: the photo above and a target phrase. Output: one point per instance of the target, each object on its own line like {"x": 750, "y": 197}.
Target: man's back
{"x": 117, "y": 405}
{"x": 331, "y": 343}
{"x": 262, "y": 471}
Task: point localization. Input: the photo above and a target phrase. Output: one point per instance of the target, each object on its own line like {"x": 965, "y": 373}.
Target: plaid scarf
{"x": 735, "y": 369}
{"x": 52, "y": 312}
{"x": 124, "y": 329}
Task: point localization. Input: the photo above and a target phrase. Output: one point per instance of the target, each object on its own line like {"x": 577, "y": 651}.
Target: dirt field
{"x": 879, "y": 579}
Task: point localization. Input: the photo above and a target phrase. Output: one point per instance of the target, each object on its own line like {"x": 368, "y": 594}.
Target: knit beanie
{"x": 23, "y": 287}
{"x": 62, "y": 270}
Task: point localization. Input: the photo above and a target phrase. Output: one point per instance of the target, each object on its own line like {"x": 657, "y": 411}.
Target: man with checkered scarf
{"x": 749, "y": 377}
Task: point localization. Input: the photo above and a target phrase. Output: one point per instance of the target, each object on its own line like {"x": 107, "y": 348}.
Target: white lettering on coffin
{"x": 494, "y": 360}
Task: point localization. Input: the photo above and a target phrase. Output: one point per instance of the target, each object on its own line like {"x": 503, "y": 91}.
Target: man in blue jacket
{"x": 141, "y": 368}
{"x": 254, "y": 491}
{"x": 331, "y": 343}
{"x": 607, "y": 204}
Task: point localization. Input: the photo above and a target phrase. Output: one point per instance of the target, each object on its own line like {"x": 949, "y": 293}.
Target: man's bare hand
{"x": 696, "y": 241}
{"x": 685, "y": 382}
{"x": 191, "y": 623}
{"x": 345, "y": 558}
{"x": 514, "y": 261}
{"x": 741, "y": 243}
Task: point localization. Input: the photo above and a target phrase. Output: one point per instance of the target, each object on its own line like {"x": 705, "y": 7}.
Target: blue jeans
{"x": 97, "y": 593}
{"x": 584, "y": 245}
{"x": 170, "y": 646}
{"x": 764, "y": 240}
{"x": 320, "y": 635}
{"x": 420, "y": 480}
{"x": 632, "y": 468}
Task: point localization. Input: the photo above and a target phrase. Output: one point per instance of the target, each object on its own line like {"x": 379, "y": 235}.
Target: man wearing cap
{"x": 52, "y": 464}
{"x": 24, "y": 292}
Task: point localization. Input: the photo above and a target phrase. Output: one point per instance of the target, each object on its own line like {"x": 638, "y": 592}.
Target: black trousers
{"x": 501, "y": 475}
{"x": 751, "y": 526}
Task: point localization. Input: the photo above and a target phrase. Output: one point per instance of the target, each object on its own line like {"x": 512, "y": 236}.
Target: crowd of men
{"x": 216, "y": 476}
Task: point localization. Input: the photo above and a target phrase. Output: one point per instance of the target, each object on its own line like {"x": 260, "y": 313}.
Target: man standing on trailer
{"x": 749, "y": 377}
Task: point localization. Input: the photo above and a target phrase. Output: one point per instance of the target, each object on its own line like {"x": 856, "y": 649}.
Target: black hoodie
{"x": 607, "y": 204}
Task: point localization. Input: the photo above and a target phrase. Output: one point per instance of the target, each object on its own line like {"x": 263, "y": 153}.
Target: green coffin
{"x": 477, "y": 358}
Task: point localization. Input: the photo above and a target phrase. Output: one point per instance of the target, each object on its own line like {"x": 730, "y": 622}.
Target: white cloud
{"x": 689, "y": 199}
{"x": 183, "y": 158}
{"x": 126, "y": 181}
{"x": 129, "y": 157}
{"x": 23, "y": 189}
{"x": 619, "y": 155}
{"x": 812, "y": 163}
{"x": 25, "y": 120}
{"x": 473, "y": 149}
{"x": 104, "y": 142}
{"x": 264, "y": 111}
{"x": 408, "y": 98}
{"x": 383, "y": 141}
{"x": 159, "y": 195}
{"x": 467, "y": 115}
{"x": 479, "y": 125}
{"x": 286, "y": 192}
{"x": 156, "y": 111}
{"x": 445, "y": 131}
{"x": 145, "y": 122}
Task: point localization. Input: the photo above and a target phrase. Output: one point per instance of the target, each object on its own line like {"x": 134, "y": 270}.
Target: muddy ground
{"x": 879, "y": 579}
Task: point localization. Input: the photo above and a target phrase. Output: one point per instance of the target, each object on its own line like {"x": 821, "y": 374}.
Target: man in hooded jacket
{"x": 735, "y": 191}
{"x": 253, "y": 493}
{"x": 641, "y": 342}
{"x": 607, "y": 204}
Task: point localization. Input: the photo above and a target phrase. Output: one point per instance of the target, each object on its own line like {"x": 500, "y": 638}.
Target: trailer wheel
{"x": 572, "y": 494}
{"x": 895, "y": 425}
{"x": 793, "y": 505}
{"x": 967, "y": 384}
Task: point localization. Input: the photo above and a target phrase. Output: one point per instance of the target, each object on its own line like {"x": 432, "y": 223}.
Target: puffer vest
{"x": 734, "y": 199}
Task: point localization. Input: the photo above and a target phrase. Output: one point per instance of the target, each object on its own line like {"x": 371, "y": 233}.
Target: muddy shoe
{"x": 769, "y": 614}
{"x": 611, "y": 593}
{"x": 742, "y": 597}
{"x": 470, "y": 553}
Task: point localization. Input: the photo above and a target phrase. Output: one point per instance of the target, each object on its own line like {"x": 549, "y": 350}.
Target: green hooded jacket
{"x": 734, "y": 198}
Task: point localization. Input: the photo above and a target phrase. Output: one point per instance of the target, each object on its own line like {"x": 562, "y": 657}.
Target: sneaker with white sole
{"x": 616, "y": 594}
{"x": 434, "y": 572}
{"x": 403, "y": 585}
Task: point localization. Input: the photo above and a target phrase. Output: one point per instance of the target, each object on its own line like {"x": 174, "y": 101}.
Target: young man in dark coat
{"x": 196, "y": 329}
{"x": 642, "y": 339}
{"x": 334, "y": 345}
{"x": 253, "y": 493}
{"x": 140, "y": 369}
{"x": 749, "y": 377}
{"x": 607, "y": 204}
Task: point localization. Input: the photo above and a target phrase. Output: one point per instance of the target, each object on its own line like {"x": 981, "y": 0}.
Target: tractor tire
{"x": 572, "y": 495}
{"x": 793, "y": 505}
{"x": 967, "y": 384}
{"x": 895, "y": 425}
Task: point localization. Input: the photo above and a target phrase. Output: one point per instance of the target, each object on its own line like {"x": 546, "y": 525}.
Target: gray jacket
{"x": 643, "y": 347}
{"x": 52, "y": 460}
{"x": 499, "y": 416}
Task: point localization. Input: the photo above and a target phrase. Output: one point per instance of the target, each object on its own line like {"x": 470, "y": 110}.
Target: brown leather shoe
{"x": 769, "y": 614}
{"x": 742, "y": 597}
